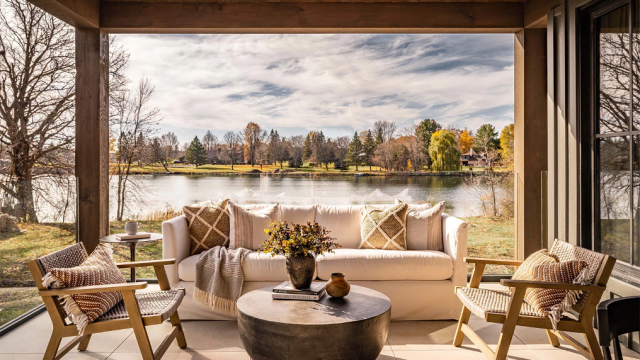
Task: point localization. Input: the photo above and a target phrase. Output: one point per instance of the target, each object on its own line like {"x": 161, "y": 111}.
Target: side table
{"x": 132, "y": 245}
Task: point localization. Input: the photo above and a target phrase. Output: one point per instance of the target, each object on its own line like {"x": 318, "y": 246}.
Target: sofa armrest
{"x": 175, "y": 245}
{"x": 454, "y": 237}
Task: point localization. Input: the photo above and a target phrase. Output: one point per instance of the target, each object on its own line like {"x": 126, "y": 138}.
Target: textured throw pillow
{"x": 424, "y": 228}
{"x": 98, "y": 269}
{"x": 384, "y": 229}
{"x": 247, "y": 227}
{"x": 208, "y": 225}
{"x": 525, "y": 271}
{"x": 553, "y": 302}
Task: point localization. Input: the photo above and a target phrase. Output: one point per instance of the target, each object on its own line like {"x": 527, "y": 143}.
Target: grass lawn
{"x": 487, "y": 238}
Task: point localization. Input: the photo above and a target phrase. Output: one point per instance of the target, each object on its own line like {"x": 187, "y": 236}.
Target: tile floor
{"x": 219, "y": 340}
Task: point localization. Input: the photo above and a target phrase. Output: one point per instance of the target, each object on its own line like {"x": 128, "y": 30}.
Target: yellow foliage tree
{"x": 466, "y": 141}
{"x": 506, "y": 145}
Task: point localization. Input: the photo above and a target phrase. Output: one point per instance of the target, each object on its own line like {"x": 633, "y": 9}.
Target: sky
{"x": 335, "y": 83}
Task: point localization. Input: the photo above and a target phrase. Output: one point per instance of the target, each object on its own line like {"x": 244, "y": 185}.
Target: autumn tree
{"x": 296, "y": 151}
{"x": 443, "y": 151}
{"x": 355, "y": 153}
{"x": 210, "y": 141}
{"x": 465, "y": 141}
{"x": 254, "y": 136}
{"x": 159, "y": 153}
{"x": 507, "y": 145}
{"x": 423, "y": 133}
{"x": 340, "y": 149}
{"x": 170, "y": 144}
{"x": 233, "y": 144}
{"x": 196, "y": 153}
{"x": 414, "y": 151}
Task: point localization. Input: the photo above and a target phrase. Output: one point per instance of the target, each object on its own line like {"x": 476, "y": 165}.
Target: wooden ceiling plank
{"x": 535, "y": 12}
{"x": 77, "y": 13}
{"x": 289, "y": 17}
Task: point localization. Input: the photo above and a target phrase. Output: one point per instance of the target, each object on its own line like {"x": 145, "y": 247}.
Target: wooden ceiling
{"x": 302, "y": 16}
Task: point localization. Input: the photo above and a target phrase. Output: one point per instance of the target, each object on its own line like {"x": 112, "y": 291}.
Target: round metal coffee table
{"x": 353, "y": 328}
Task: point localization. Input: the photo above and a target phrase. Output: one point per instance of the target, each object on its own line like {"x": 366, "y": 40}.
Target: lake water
{"x": 161, "y": 191}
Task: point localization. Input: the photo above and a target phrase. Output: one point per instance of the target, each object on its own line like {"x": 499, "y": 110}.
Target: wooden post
{"x": 92, "y": 134}
{"x": 530, "y": 137}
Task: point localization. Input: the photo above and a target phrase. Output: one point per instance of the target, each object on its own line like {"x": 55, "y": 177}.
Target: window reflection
{"x": 614, "y": 88}
{"x": 615, "y": 186}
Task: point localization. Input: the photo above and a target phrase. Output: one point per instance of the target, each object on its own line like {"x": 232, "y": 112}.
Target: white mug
{"x": 131, "y": 227}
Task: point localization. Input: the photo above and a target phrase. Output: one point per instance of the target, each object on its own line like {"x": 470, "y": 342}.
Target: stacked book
{"x": 140, "y": 235}
{"x": 285, "y": 291}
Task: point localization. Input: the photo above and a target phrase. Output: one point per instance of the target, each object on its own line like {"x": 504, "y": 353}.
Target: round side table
{"x": 132, "y": 245}
{"x": 353, "y": 328}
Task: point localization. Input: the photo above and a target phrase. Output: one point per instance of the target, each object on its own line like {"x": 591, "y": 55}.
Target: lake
{"x": 161, "y": 191}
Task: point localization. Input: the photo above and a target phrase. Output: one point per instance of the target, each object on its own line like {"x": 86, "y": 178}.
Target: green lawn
{"x": 487, "y": 238}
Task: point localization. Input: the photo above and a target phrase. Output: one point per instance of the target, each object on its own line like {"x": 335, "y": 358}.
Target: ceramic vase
{"x": 338, "y": 287}
{"x": 300, "y": 270}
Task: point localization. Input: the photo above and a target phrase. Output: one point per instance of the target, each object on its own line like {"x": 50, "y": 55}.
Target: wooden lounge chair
{"x": 136, "y": 311}
{"x": 509, "y": 309}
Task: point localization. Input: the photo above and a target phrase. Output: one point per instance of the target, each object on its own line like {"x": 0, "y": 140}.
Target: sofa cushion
{"x": 373, "y": 264}
{"x": 297, "y": 214}
{"x": 248, "y": 227}
{"x": 255, "y": 266}
{"x": 343, "y": 222}
{"x": 424, "y": 228}
{"x": 384, "y": 229}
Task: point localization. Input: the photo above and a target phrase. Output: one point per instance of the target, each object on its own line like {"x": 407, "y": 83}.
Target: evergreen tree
{"x": 196, "y": 153}
{"x": 424, "y": 131}
{"x": 355, "y": 154}
{"x": 379, "y": 138}
{"x": 307, "y": 149}
{"x": 443, "y": 151}
{"x": 369, "y": 148}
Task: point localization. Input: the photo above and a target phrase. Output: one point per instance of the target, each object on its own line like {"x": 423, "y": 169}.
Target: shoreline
{"x": 292, "y": 173}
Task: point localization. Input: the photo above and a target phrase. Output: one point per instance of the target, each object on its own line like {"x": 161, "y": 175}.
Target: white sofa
{"x": 420, "y": 283}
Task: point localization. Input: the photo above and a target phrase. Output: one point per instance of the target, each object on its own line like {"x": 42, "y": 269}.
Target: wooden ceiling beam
{"x": 535, "y": 12}
{"x": 78, "y": 13}
{"x": 289, "y": 17}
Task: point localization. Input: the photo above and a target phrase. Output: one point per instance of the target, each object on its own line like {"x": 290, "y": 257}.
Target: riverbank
{"x": 489, "y": 238}
{"x": 239, "y": 170}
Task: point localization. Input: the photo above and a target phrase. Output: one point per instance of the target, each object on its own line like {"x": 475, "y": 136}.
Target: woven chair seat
{"x": 485, "y": 301}
{"x": 163, "y": 303}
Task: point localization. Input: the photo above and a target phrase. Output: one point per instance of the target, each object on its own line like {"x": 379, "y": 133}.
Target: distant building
{"x": 472, "y": 159}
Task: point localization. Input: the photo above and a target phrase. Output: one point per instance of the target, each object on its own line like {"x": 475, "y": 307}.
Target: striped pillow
{"x": 553, "y": 302}
{"x": 98, "y": 269}
{"x": 525, "y": 271}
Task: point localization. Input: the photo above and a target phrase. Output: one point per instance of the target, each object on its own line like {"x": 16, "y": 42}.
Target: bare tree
{"x": 170, "y": 144}
{"x": 210, "y": 141}
{"x": 254, "y": 136}
{"x": 296, "y": 150}
{"x": 386, "y": 128}
{"x": 132, "y": 118}
{"x": 233, "y": 143}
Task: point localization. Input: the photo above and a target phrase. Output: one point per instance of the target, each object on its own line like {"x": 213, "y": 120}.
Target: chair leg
{"x": 509, "y": 325}
{"x": 592, "y": 342}
{"x": 553, "y": 339}
{"x": 137, "y": 323}
{"x": 606, "y": 352}
{"x": 84, "y": 343}
{"x": 180, "y": 338}
{"x": 52, "y": 348}
{"x": 464, "y": 319}
{"x": 617, "y": 351}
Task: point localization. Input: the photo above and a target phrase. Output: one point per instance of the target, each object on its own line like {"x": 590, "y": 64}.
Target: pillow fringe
{"x": 555, "y": 314}
{"x": 70, "y": 306}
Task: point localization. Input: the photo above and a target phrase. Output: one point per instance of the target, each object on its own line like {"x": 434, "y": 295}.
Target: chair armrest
{"x": 94, "y": 289}
{"x": 176, "y": 245}
{"x": 454, "y": 238}
{"x": 525, "y": 284}
{"x": 137, "y": 264}
{"x": 492, "y": 261}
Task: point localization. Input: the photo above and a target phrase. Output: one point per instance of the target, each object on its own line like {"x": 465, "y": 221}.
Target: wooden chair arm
{"x": 154, "y": 263}
{"x": 94, "y": 289}
{"x": 525, "y": 284}
{"x": 492, "y": 261}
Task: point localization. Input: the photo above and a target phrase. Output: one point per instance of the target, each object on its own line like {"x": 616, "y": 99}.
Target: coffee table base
{"x": 362, "y": 340}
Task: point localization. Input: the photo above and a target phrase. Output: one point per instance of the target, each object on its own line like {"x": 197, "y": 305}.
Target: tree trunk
{"x": 21, "y": 171}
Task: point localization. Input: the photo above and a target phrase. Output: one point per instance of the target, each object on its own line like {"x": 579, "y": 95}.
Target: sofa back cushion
{"x": 248, "y": 227}
{"x": 297, "y": 214}
{"x": 343, "y": 222}
{"x": 424, "y": 228}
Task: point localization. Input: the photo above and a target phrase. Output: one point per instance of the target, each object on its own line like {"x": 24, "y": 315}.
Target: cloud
{"x": 334, "y": 83}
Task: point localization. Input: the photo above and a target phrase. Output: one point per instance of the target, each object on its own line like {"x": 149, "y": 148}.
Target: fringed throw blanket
{"x": 219, "y": 278}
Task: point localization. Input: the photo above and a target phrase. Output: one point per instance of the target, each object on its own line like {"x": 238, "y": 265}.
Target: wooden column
{"x": 92, "y": 134}
{"x": 530, "y": 137}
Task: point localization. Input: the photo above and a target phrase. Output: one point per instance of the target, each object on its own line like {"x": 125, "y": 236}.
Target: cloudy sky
{"x": 334, "y": 83}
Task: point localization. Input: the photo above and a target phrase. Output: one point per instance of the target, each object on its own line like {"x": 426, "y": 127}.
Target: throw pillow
{"x": 553, "y": 302}
{"x": 247, "y": 227}
{"x": 98, "y": 269}
{"x": 384, "y": 229}
{"x": 208, "y": 225}
{"x": 525, "y": 271}
{"x": 424, "y": 228}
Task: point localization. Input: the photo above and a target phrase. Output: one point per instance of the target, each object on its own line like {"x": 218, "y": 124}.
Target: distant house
{"x": 472, "y": 159}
